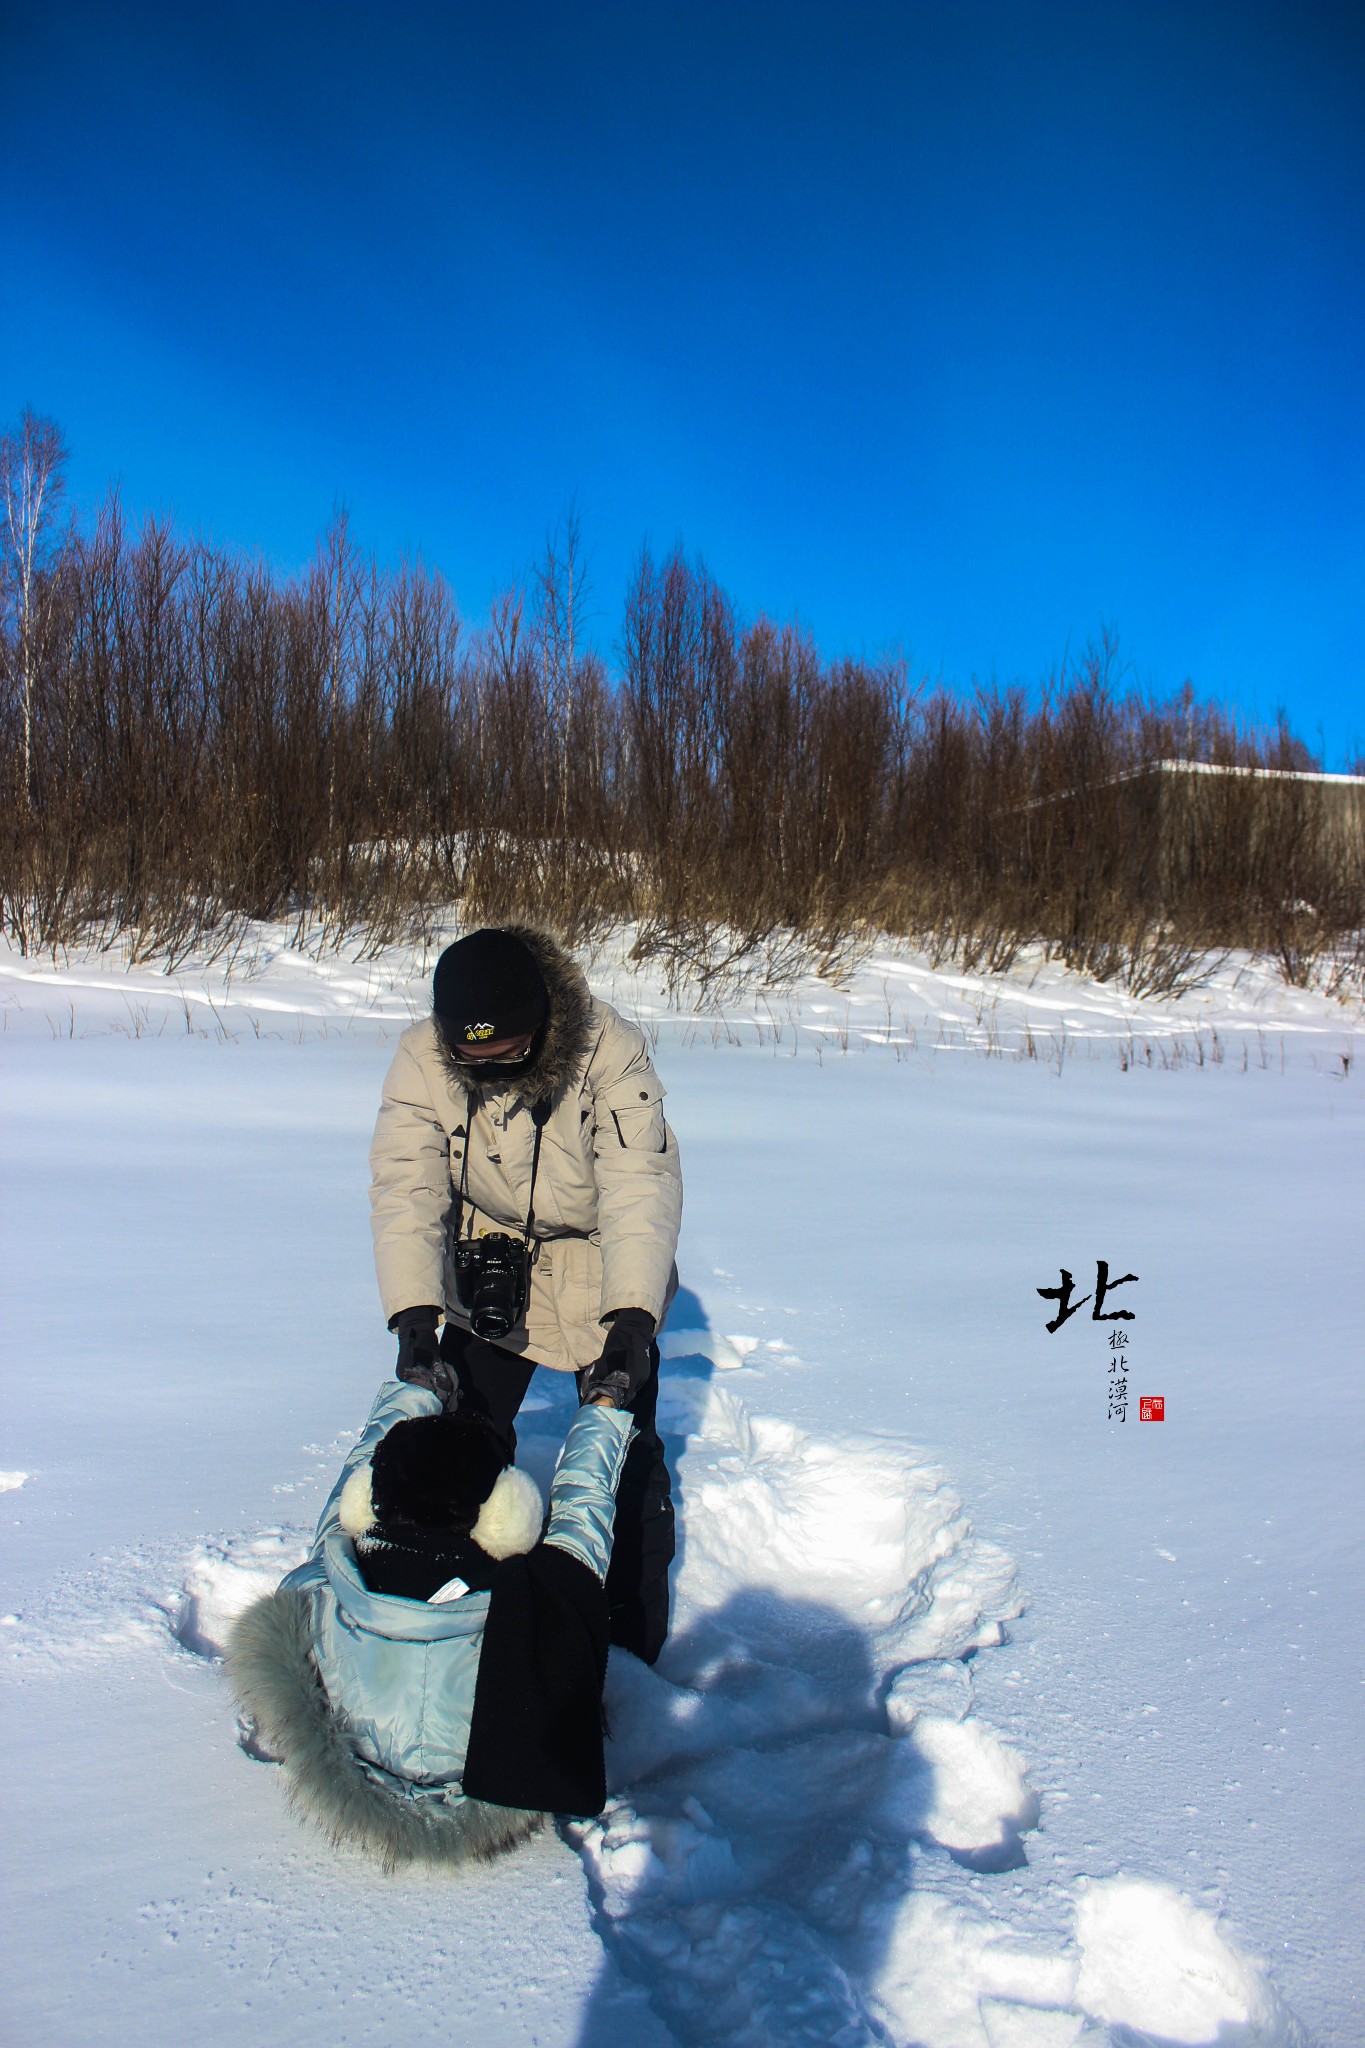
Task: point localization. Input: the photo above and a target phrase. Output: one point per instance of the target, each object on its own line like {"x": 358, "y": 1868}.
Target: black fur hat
{"x": 435, "y": 1472}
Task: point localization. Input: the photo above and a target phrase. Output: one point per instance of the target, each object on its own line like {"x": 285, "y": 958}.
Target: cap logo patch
{"x": 476, "y": 1033}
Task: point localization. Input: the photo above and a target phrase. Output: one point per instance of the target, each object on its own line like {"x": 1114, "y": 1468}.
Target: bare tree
{"x": 560, "y": 591}
{"x": 338, "y": 574}
{"x": 32, "y": 479}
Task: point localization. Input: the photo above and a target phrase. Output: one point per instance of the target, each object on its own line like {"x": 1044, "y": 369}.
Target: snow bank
{"x": 894, "y": 1001}
{"x": 794, "y": 1788}
{"x": 778, "y": 1774}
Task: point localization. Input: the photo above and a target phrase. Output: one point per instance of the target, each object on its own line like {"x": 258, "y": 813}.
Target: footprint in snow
{"x": 223, "y": 1579}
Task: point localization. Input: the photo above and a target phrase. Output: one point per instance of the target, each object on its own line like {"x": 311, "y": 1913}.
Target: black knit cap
{"x": 435, "y": 1471}
{"x": 487, "y": 986}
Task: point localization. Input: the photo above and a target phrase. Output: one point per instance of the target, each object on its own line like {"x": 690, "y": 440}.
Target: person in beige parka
{"x": 526, "y": 1192}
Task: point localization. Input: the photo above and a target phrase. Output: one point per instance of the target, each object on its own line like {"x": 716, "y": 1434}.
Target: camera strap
{"x": 540, "y": 1116}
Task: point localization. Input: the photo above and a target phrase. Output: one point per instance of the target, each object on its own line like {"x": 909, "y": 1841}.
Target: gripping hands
{"x": 626, "y": 1361}
{"x": 419, "y": 1355}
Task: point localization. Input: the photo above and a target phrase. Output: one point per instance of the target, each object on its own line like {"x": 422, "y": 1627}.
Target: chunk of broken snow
{"x": 977, "y": 1797}
{"x": 724, "y": 1353}
{"x": 1152, "y": 1961}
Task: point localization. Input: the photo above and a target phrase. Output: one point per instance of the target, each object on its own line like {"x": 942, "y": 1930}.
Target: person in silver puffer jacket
{"x": 442, "y": 1722}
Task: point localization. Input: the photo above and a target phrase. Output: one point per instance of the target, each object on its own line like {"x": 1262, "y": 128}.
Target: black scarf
{"x": 536, "y": 1736}
{"x": 535, "y": 1740}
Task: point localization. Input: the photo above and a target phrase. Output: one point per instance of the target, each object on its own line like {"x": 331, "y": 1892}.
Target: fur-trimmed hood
{"x": 271, "y": 1667}
{"x": 568, "y": 1031}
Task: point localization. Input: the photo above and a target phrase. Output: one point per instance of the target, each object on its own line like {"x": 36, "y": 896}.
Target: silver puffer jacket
{"x": 374, "y": 1752}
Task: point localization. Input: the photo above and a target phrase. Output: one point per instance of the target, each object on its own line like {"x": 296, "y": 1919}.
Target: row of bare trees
{"x": 188, "y": 741}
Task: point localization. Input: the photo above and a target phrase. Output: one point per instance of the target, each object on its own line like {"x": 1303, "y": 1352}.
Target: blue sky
{"x": 967, "y": 329}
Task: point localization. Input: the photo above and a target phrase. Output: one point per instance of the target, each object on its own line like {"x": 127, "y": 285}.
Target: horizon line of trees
{"x": 189, "y": 741}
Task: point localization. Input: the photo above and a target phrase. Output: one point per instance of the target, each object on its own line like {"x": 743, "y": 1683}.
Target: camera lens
{"x": 492, "y": 1313}
{"x": 491, "y": 1281}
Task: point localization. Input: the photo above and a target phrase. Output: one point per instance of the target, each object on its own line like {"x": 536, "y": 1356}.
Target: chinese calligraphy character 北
{"x": 1066, "y": 1307}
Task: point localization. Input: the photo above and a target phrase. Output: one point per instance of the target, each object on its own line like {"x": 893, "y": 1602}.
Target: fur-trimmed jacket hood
{"x": 563, "y": 1044}
{"x": 608, "y": 1186}
{"x": 441, "y": 1730}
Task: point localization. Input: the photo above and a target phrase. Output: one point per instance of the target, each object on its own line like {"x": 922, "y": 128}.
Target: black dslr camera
{"x": 492, "y": 1281}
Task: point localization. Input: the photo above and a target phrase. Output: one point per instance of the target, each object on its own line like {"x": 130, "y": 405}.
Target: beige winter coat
{"x": 608, "y": 1192}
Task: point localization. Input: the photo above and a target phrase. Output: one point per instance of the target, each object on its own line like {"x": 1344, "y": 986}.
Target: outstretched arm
{"x": 583, "y": 1491}
{"x": 395, "y": 1402}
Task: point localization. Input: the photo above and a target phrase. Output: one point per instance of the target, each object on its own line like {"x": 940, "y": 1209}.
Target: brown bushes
{"x": 208, "y": 744}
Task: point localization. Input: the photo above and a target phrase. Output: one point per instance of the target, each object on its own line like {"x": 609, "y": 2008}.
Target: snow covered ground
{"x": 987, "y": 1721}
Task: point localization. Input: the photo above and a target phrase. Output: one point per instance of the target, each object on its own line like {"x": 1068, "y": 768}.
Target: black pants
{"x": 493, "y": 1383}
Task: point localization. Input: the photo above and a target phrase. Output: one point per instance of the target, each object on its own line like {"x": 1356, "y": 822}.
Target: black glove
{"x": 626, "y": 1360}
{"x": 419, "y": 1356}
